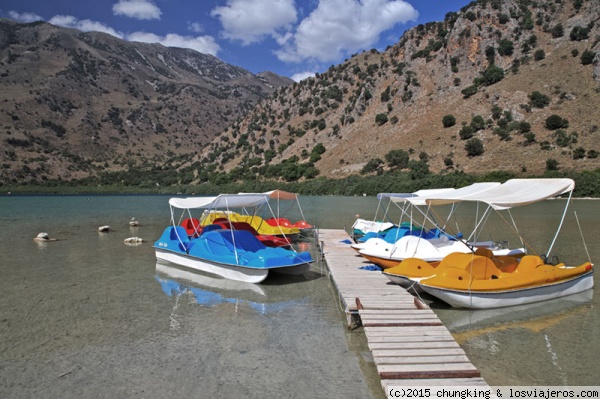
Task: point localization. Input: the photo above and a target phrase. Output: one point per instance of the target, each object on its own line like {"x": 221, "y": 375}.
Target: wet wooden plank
{"x": 381, "y": 360}
{"x": 409, "y": 343}
{"x": 412, "y": 352}
{"x": 427, "y": 370}
{"x": 433, "y": 382}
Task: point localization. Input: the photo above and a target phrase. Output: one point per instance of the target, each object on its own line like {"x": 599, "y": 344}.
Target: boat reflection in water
{"x": 533, "y": 316}
{"x": 539, "y": 344}
{"x": 211, "y": 290}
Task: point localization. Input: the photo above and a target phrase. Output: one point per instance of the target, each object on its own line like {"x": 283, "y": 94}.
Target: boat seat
{"x": 506, "y": 264}
{"x": 192, "y": 227}
{"x": 244, "y": 240}
{"x": 479, "y": 267}
{"x": 212, "y": 227}
{"x": 223, "y": 224}
{"x": 481, "y": 251}
{"x": 178, "y": 233}
{"x": 529, "y": 263}
{"x": 178, "y": 236}
{"x": 484, "y": 268}
{"x": 244, "y": 226}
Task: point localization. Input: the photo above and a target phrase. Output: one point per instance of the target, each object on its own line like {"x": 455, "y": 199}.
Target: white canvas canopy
{"x": 519, "y": 192}
{"x": 455, "y": 194}
{"x": 223, "y": 201}
{"x": 419, "y": 198}
{"x": 514, "y": 192}
{"x": 407, "y": 197}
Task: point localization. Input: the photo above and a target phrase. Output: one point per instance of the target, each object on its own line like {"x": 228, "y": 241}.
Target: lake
{"x": 88, "y": 316}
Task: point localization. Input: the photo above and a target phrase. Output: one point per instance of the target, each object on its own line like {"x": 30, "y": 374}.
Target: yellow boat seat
{"x": 528, "y": 263}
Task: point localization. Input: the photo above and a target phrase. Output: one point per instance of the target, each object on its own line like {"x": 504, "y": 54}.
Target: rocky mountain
{"x": 76, "y": 104}
{"x": 501, "y": 85}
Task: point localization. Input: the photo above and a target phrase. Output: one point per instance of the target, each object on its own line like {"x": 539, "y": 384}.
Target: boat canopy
{"x": 406, "y": 197}
{"x": 381, "y": 196}
{"x": 475, "y": 188}
{"x": 281, "y": 195}
{"x": 512, "y": 193}
{"x": 221, "y": 201}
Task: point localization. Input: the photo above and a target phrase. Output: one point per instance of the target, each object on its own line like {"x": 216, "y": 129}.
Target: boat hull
{"x": 238, "y": 273}
{"x": 233, "y": 254}
{"x": 386, "y": 255}
{"x": 404, "y": 282}
{"x": 503, "y": 298}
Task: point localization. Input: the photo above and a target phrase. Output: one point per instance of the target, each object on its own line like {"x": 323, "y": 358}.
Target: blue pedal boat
{"x": 232, "y": 254}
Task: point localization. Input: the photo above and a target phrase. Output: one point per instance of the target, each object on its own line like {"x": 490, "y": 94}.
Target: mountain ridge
{"x": 75, "y": 104}
{"x": 376, "y": 102}
{"x": 478, "y": 92}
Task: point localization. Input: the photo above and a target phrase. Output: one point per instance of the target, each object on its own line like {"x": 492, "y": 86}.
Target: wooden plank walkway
{"x": 409, "y": 343}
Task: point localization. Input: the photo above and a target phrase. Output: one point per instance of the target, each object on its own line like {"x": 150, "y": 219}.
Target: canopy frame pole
{"x": 175, "y": 228}
{"x": 237, "y": 259}
{"x": 486, "y": 214}
{"x": 562, "y": 219}
{"x": 479, "y": 223}
{"x": 516, "y": 228}
{"x": 582, "y": 238}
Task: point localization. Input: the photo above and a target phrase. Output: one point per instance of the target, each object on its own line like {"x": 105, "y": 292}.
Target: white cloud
{"x": 195, "y": 27}
{"x": 337, "y": 27}
{"x": 249, "y": 21}
{"x": 297, "y": 77}
{"x": 138, "y": 9}
{"x": 85, "y": 25}
{"x": 25, "y": 17}
{"x": 202, "y": 44}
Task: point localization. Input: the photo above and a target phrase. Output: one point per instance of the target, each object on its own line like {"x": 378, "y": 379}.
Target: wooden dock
{"x": 409, "y": 343}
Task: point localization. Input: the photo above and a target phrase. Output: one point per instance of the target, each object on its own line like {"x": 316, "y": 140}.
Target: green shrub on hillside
{"x": 505, "y": 47}
{"x": 587, "y": 57}
{"x": 579, "y": 153}
{"x": 474, "y": 147}
{"x": 579, "y": 33}
{"x": 374, "y": 165}
{"x": 381, "y": 119}
{"x": 397, "y": 159}
{"x": 529, "y": 138}
{"x": 490, "y": 76}
{"x": 539, "y": 55}
{"x": 554, "y": 122}
{"x": 477, "y": 123}
{"x": 466, "y": 132}
{"x": 538, "y": 100}
{"x": 448, "y": 120}
{"x": 316, "y": 152}
{"x": 557, "y": 31}
{"x": 469, "y": 91}
{"x": 551, "y": 164}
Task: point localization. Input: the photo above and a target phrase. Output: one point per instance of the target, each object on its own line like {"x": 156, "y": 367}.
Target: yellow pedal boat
{"x": 259, "y": 224}
{"x": 476, "y": 281}
{"x": 412, "y": 270}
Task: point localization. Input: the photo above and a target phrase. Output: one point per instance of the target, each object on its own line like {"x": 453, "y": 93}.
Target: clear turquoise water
{"x": 88, "y": 316}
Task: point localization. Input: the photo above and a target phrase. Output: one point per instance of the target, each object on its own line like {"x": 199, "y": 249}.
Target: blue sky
{"x": 294, "y": 38}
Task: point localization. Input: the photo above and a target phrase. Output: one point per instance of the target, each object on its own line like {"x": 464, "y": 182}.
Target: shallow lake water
{"x": 88, "y": 316}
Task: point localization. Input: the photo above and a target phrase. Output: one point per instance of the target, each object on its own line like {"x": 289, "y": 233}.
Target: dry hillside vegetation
{"x": 76, "y": 104}
{"x": 480, "y": 65}
{"x": 500, "y": 85}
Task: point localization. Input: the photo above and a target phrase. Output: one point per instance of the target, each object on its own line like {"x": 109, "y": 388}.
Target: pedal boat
{"x": 233, "y": 254}
{"x": 476, "y": 282}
